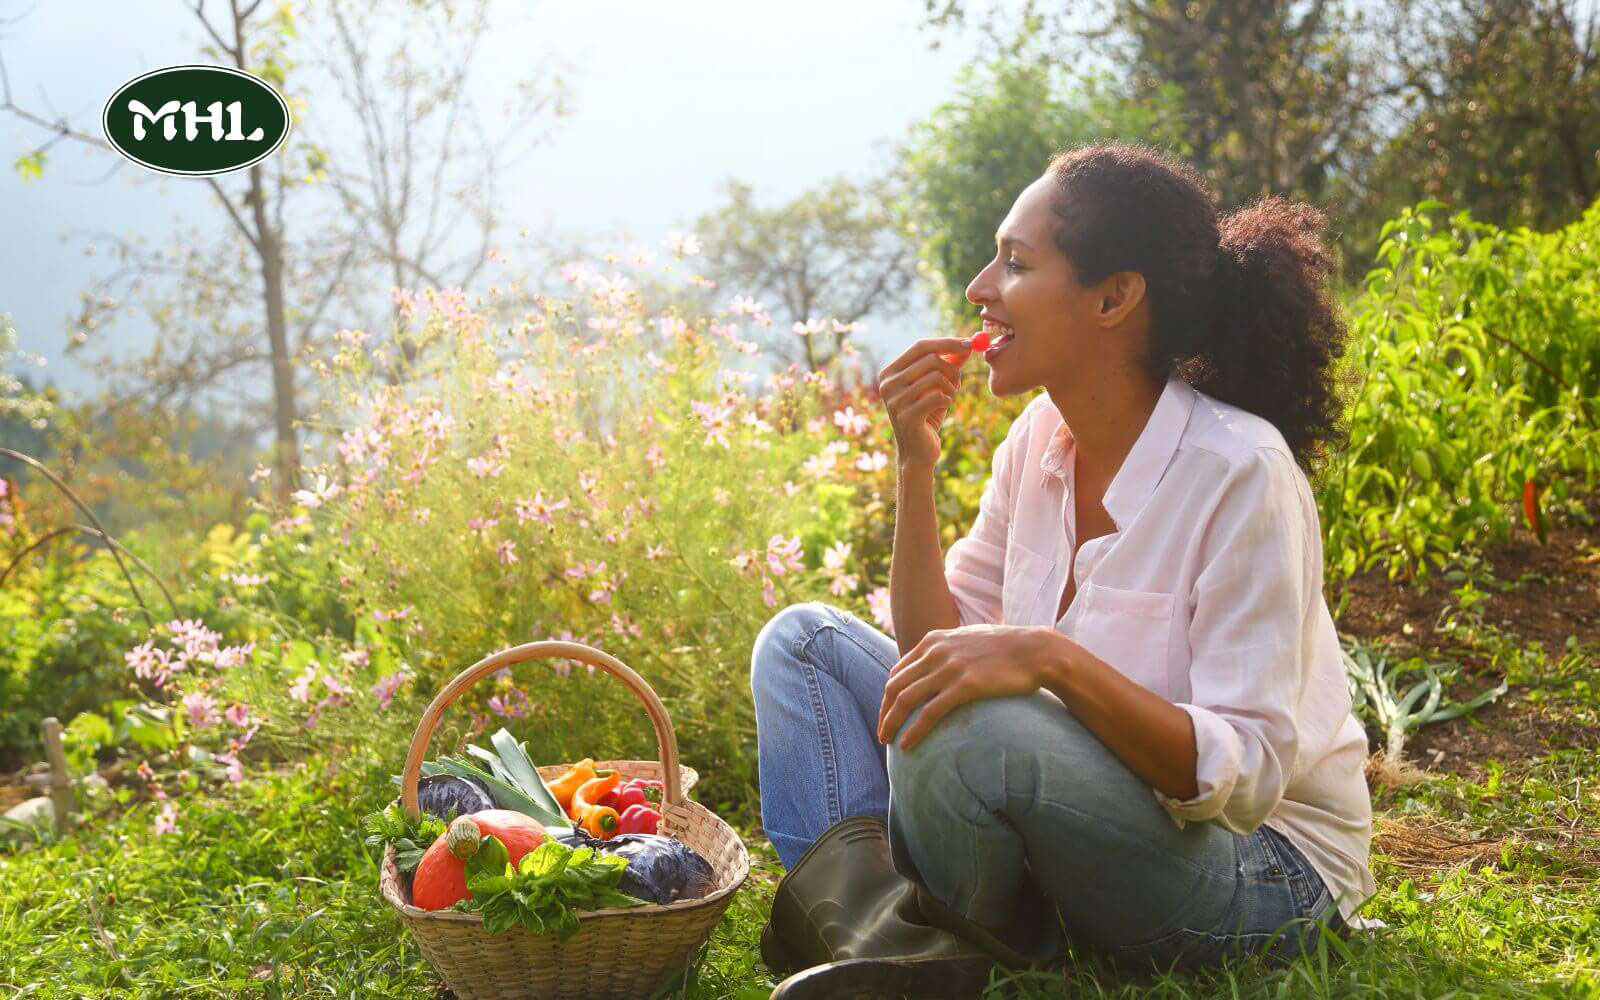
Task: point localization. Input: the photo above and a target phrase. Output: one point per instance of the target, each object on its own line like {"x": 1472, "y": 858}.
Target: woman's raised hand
{"x": 917, "y": 388}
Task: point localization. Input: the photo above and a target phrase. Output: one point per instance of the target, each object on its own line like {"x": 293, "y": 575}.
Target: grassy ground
{"x": 268, "y": 894}
{"x": 1488, "y": 861}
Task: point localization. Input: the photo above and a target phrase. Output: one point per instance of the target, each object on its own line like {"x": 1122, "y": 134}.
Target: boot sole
{"x": 889, "y": 979}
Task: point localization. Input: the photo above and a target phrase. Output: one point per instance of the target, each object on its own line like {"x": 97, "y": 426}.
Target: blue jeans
{"x": 1008, "y": 803}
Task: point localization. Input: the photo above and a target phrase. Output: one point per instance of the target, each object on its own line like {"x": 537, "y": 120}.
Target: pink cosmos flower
{"x": 683, "y": 245}
{"x": 843, "y": 584}
{"x": 878, "y": 602}
{"x": 233, "y": 656}
{"x": 238, "y": 714}
{"x": 506, "y": 551}
{"x": 300, "y": 690}
{"x": 201, "y": 710}
{"x": 385, "y": 689}
{"x": 167, "y": 821}
{"x": 768, "y": 592}
{"x": 783, "y": 555}
{"x": 872, "y": 462}
{"x": 235, "y": 769}
{"x": 715, "y": 419}
{"x": 485, "y": 468}
{"x": 852, "y": 423}
{"x": 515, "y": 705}
{"x": 538, "y": 509}
{"x": 320, "y": 493}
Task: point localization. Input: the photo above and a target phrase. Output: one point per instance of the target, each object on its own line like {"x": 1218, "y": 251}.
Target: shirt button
{"x": 1274, "y": 871}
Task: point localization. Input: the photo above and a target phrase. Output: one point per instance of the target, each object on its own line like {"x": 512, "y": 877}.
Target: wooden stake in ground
{"x": 61, "y": 795}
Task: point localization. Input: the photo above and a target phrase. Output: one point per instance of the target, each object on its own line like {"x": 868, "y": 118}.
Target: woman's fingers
{"x": 933, "y": 381}
{"x": 914, "y": 373}
{"x": 916, "y": 687}
{"x": 936, "y": 708}
{"x": 922, "y": 349}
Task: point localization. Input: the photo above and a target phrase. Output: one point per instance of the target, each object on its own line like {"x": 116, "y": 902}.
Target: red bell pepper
{"x": 630, "y": 794}
{"x": 639, "y": 819}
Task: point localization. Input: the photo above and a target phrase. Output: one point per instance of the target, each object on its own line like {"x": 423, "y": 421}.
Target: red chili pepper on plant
{"x": 1530, "y": 508}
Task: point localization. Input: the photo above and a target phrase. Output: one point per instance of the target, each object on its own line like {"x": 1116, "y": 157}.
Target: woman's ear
{"x": 1120, "y": 295}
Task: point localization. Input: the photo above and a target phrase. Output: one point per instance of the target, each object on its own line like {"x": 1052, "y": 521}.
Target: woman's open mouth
{"x": 999, "y": 338}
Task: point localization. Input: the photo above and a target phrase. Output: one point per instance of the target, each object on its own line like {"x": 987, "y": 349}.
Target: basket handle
{"x": 666, "y": 742}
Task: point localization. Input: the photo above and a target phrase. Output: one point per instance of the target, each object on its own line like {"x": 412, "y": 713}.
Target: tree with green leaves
{"x": 963, "y": 166}
{"x": 1274, "y": 97}
{"x": 1505, "y": 119}
{"x": 821, "y": 262}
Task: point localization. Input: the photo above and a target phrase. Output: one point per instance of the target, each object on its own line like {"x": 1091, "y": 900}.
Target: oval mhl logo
{"x": 195, "y": 120}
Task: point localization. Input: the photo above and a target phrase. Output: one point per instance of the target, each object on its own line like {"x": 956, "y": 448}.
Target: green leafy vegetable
{"x": 521, "y": 772}
{"x": 546, "y": 890}
{"x": 507, "y": 795}
{"x": 410, "y": 837}
{"x": 512, "y": 779}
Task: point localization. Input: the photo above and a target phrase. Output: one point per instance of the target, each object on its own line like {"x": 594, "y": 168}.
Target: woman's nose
{"x": 978, "y": 290}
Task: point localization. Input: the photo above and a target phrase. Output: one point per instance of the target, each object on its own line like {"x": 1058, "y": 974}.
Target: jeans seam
{"x": 830, "y": 767}
{"x": 844, "y": 631}
{"x": 1296, "y": 873}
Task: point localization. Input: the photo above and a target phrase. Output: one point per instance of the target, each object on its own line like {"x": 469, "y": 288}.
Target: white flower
{"x": 851, "y": 422}
{"x": 321, "y": 492}
{"x": 872, "y": 462}
{"x": 683, "y": 245}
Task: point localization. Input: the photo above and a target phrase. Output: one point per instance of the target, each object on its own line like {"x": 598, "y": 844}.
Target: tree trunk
{"x": 270, "y": 249}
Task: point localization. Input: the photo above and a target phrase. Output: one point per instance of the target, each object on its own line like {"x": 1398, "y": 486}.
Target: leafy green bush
{"x": 1481, "y": 354}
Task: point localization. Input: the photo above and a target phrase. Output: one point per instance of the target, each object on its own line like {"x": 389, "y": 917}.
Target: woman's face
{"x": 1031, "y": 292}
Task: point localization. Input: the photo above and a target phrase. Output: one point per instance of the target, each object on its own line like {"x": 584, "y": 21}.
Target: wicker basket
{"x": 617, "y": 952}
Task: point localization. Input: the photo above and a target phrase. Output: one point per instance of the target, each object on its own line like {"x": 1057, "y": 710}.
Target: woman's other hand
{"x": 951, "y": 667}
{"x": 916, "y": 389}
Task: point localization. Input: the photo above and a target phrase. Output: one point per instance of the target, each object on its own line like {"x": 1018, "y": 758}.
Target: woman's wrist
{"x": 1053, "y": 660}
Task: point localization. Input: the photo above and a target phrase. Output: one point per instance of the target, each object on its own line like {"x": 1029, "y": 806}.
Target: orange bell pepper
{"x": 588, "y": 794}
{"x": 563, "y": 787}
{"x": 600, "y": 822}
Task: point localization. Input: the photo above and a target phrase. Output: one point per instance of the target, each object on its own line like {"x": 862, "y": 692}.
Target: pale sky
{"x": 670, "y": 100}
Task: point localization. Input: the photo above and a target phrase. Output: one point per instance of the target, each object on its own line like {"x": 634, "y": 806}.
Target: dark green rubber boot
{"x": 850, "y": 926}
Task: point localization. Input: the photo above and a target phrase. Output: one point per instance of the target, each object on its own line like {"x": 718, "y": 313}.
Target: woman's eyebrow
{"x": 1003, "y": 240}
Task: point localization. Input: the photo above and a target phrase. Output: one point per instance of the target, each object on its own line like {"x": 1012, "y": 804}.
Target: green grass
{"x": 266, "y": 891}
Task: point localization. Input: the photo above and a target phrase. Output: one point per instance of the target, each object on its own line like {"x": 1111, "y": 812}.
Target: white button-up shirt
{"x": 1209, "y": 593}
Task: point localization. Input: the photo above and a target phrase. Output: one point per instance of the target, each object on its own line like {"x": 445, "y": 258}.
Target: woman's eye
{"x": 1012, "y": 265}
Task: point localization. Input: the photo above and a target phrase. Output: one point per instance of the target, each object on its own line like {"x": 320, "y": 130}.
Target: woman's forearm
{"x": 1150, "y": 734}
{"x": 919, "y": 597}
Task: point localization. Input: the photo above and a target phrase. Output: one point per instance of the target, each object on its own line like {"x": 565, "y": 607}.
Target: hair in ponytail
{"x": 1239, "y": 305}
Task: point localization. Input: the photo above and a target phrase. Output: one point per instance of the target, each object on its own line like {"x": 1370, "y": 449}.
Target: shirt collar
{"x": 1146, "y": 462}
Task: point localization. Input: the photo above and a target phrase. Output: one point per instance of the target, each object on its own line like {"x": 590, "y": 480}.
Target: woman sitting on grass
{"x": 1121, "y": 698}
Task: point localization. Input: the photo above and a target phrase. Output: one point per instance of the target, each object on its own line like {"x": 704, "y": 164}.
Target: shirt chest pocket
{"x": 1025, "y": 572}
{"x": 1129, "y": 629}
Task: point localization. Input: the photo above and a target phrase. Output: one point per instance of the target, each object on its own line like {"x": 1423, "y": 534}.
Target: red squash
{"x": 441, "y": 879}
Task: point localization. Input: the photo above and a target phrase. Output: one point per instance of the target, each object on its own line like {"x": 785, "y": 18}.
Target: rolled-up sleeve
{"x": 1249, "y": 639}
{"x": 974, "y": 568}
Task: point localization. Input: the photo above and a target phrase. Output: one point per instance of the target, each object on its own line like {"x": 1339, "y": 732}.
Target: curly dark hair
{"x": 1267, "y": 337}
